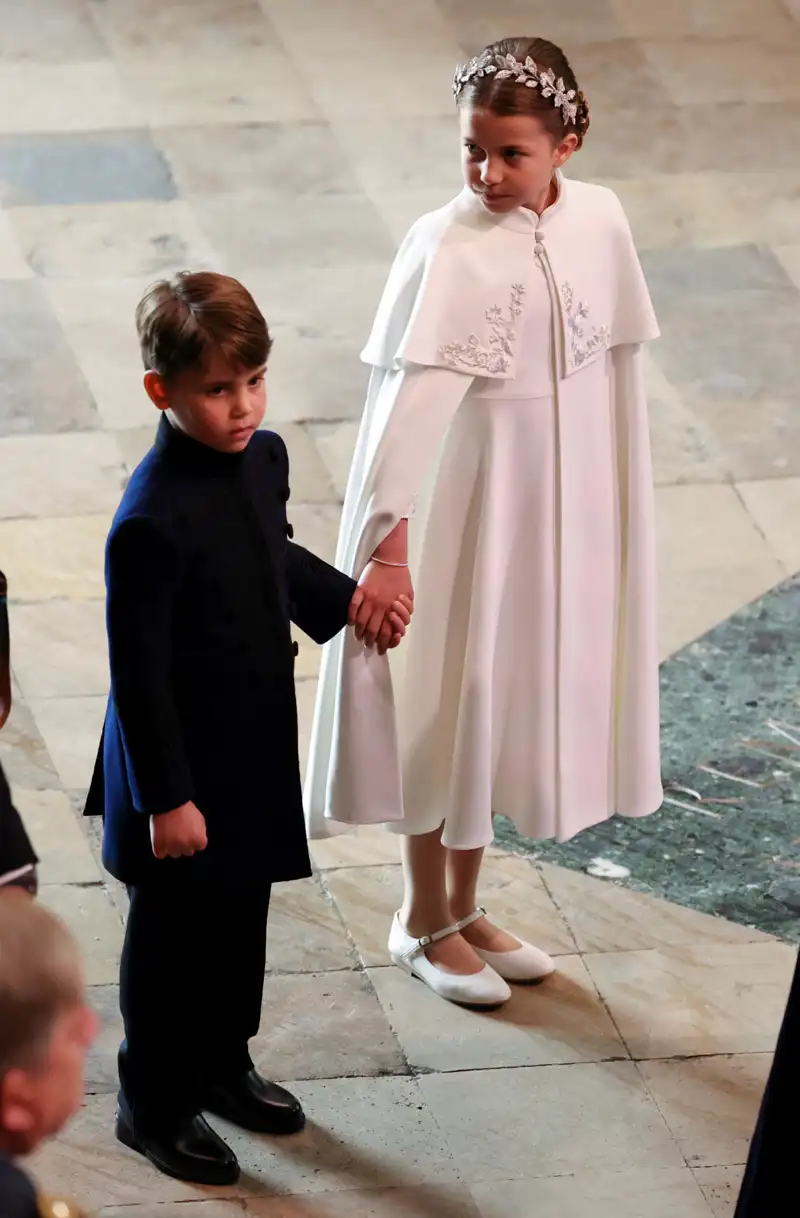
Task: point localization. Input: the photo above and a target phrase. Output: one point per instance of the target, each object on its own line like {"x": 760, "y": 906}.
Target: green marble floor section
{"x": 727, "y": 839}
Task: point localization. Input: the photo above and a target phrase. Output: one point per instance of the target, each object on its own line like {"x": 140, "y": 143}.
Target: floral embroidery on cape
{"x": 495, "y": 356}
{"x": 584, "y": 340}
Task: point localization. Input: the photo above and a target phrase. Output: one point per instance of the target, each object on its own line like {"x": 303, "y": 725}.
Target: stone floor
{"x": 291, "y": 142}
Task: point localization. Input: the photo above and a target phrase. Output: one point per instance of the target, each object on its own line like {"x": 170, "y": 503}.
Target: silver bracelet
{"x": 384, "y": 563}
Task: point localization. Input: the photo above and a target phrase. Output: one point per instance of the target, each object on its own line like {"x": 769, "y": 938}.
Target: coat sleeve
{"x": 143, "y": 572}
{"x": 17, "y": 857}
{"x": 319, "y": 594}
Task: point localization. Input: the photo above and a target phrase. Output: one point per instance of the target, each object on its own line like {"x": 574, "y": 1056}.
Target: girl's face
{"x": 509, "y": 160}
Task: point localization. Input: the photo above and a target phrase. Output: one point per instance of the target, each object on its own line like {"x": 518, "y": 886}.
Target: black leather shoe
{"x": 252, "y": 1103}
{"x": 192, "y": 1151}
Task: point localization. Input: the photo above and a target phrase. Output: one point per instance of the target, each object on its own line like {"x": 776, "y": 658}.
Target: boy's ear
{"x": 156, "y": 389}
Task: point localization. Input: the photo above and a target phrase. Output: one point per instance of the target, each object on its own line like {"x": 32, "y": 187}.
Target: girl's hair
{"x": 509, "y": 97}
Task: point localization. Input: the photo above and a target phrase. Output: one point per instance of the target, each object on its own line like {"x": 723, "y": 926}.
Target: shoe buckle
{"x": 425, "y": 941}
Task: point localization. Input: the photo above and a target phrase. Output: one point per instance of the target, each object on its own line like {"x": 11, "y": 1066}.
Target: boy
{"x": 17, "y": 858}
{"x": 45, "y": 1031}
{"x": 198, "y": 773}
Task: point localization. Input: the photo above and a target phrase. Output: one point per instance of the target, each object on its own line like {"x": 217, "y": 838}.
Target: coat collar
{"x": 521, "y": 219}
{"x": 193, "y": 455}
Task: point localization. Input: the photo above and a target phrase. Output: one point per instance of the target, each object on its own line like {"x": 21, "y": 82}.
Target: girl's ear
{"x": 156, "y": 389}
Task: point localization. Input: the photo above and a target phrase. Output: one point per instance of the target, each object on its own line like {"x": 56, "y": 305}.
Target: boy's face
{"x": 36, "y": 1103}
{"x": 221, "y": 406}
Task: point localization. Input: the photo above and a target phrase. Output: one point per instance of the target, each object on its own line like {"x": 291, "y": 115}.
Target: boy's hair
{"x": 183, "y": 320}
{"x": 40, "y": 978}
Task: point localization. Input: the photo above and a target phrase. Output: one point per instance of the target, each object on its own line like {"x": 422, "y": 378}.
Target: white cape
{"x": 455, "y": 306}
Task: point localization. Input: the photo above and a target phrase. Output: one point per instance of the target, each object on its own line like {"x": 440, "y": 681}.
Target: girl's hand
{"x": 374, "y": 598}
{"x": 395, "y": 625}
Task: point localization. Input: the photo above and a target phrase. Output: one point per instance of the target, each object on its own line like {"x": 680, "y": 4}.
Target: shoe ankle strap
{"x": 437, "y": 935}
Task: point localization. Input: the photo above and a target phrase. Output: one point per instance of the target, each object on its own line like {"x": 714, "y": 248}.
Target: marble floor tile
{"x": 476, "y": 24}
{"x": 638, "y": 1193}
{"x": 82, "y": 96}
{"x": 13, "y": 263}
{"x": 71, "y": 729}
{"x": 50, "y": 31}
{"x": 710, "y": 1104}
{"x": 365, "y": 846}
{"x": 611, "y": 71}
{"x": 257, "y": 84}
{"x": 101, "y": 1075}
{"x": 682, "y": 445}
{"x": 598, "y": 1117}
{"x": 623, "y": 140}
{"x": 309, "y": 478}
{"x": 324, "y": 1025}
{"x": 306, "y": 932}
{"x": 336, "y": 443}
{"x": 177, "y": 1209}
{"x": 82, "y": 167}
{"x": 344, "y": 232}
{"x": 97, "y": 316}
{"x": 316, "y": 526}
{"x": 121, "y": 240}
{"x": 775, "y": 507}
{"x": 23, "y": 753}
{"x": 707, "y": 573}
{"x": 60, "y": 648}
{"x": 135, "y": 442}
{"x": 322, "y": 303}
{"x": 555, "y": 1023}
{"x": 607, "y": 917}
{"x": 182, "y": 27}
{"x": 767, "y": 21}
{"x": 712, "y": 998}
{"x": 71, "y": 474}
{"x": 44, "y": 388}
{"x": 272, "y": 160}
{"x": 65, "y": 856}
{"x": 399, "y": 209}
{"x": 368, "y": 897}
{"x": 789, "y": 258}
{"x": 391, "y": 153}
{"x": 313, "y": 379}
{"x": 361, "y": 1133}
{"x": 720, "y": 1187}
{"x": 727, "y": 69}
{"x": 90, "y": 916}
{"x": 48, "y": 558}
{"x": 427, "y": 1201}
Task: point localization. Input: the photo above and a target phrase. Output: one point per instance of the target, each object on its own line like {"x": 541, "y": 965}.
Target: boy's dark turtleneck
{"x": 194, "y": 453}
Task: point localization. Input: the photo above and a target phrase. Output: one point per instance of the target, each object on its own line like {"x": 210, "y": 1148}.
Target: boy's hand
{"x": 379, "y": 589}
{"x": 178, "y": 833}
{"x": 395, "y": 624}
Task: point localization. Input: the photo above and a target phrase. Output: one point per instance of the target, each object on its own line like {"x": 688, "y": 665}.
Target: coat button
{"x": 273, "y": 454}
{"x": 284, "y": 493}
{"x": 538, "y": 248}
{"x": 290, "y": 531}
{"x": 295, "y": 650}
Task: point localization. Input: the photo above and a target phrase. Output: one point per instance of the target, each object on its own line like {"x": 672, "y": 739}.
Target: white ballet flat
{"x": 522, "y": 964}
{"x": 483, "y": 989}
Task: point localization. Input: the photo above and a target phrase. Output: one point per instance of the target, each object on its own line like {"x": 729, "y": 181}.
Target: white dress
{"x": 528, "y": 685}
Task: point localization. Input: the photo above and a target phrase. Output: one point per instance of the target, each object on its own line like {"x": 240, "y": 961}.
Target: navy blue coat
{"x": 202, "y": 582}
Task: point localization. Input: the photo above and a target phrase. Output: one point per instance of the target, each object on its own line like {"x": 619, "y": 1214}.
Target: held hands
{"x": 178, "y": 833}
{"x": 382, "y": 606}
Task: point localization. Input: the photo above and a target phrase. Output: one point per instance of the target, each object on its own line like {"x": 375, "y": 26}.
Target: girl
{"x": 506, "y": 357}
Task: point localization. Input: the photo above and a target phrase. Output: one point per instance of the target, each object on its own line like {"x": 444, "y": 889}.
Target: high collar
{"x": 521, "y": 219}
{"x": 193, "y": 454}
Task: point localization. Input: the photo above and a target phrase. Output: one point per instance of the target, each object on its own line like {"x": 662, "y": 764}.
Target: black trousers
{"x": 191, "y": 986}
{"x": 770, "y": 1179}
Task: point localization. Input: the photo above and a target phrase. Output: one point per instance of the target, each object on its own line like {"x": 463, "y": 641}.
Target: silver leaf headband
{"x": 506, "y": 67}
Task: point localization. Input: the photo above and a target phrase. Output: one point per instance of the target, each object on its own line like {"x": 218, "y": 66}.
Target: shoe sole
{"x": 457, "y": 1002}
{"x": 219, "y": 1179}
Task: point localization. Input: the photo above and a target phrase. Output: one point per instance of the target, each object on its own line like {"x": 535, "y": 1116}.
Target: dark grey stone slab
{"x": 275, "y": 159}
{"x": 43, "y": 387}
{"x": 82, "y": 167}
{"x": 731, "y": 734}
{"x": 679, "y": 270}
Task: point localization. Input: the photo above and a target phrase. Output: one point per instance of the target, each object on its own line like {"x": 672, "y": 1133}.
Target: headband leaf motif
{"x": 529, "y": 74}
